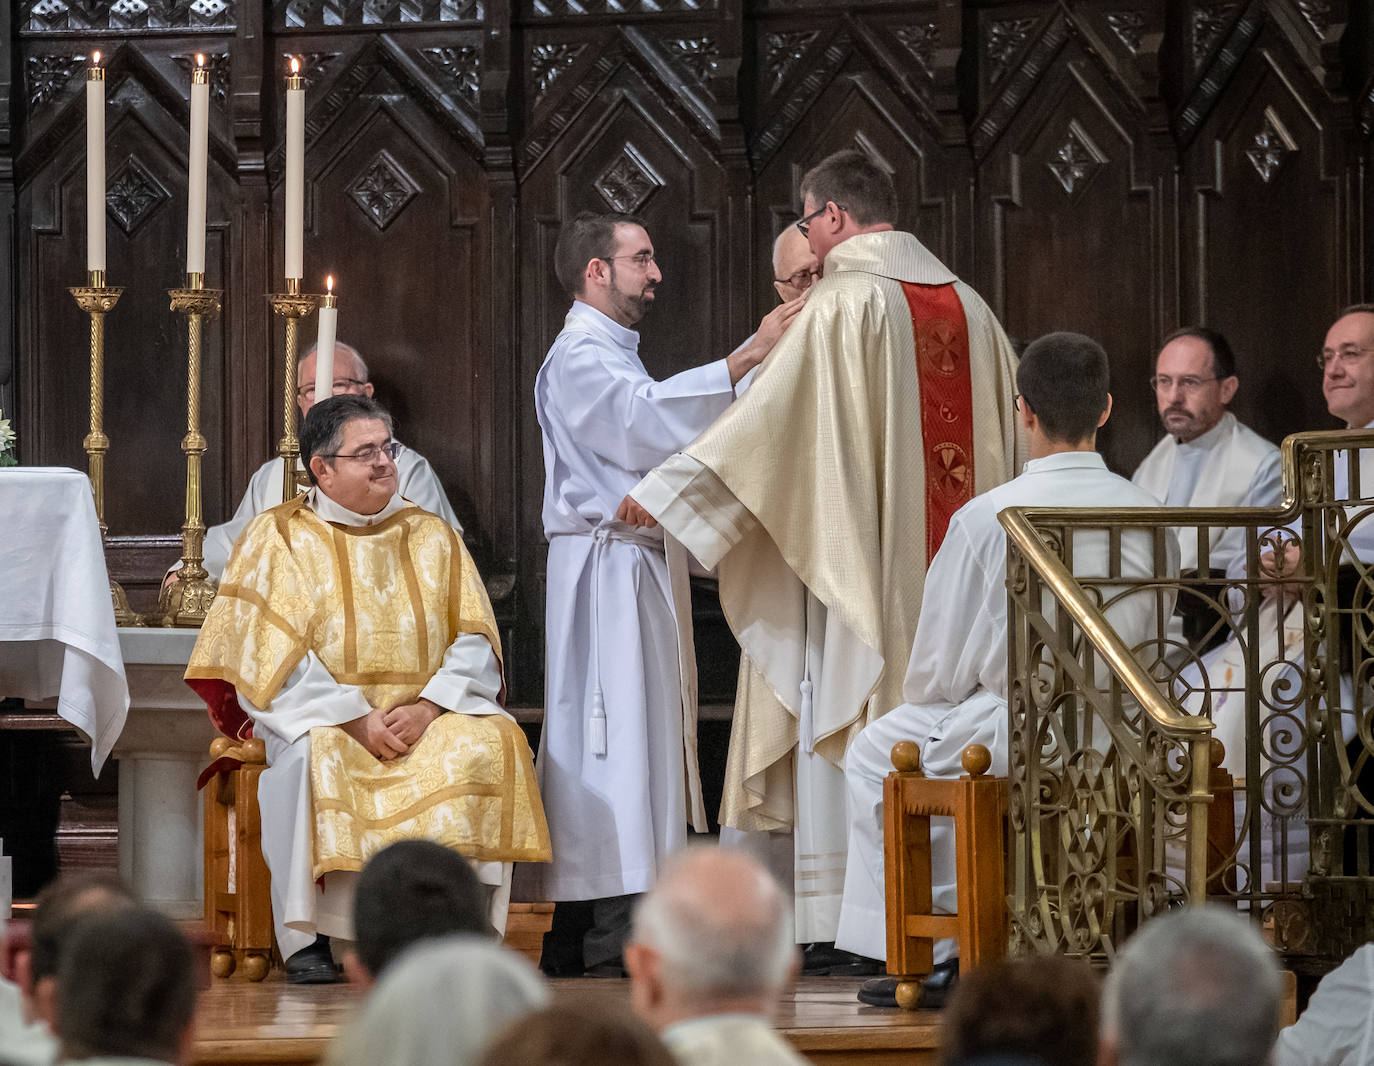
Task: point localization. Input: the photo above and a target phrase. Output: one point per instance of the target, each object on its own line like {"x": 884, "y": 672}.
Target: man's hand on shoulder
{"x": 632, "y": 514}
{"x": 772, "y": 327}
{"x": 373, "y": 733}
{"x": 408, "y": 721}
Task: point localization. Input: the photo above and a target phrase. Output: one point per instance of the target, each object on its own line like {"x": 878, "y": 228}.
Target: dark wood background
{"x": 1116, "y": 167}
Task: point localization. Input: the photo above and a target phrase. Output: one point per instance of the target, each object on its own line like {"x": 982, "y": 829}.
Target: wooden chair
{"x": 238, "y": 901}
{"x": 978, "y": 806}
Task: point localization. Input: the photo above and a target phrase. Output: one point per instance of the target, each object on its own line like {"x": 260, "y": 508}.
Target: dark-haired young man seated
{"x": 353, "y": 630}
{"x": 956, "y": 678}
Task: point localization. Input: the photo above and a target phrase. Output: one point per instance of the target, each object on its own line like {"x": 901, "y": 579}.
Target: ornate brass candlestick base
{"x": 292, "y": 306}
{"x": 97, "y": 300}
{"x": 185, "y": 601}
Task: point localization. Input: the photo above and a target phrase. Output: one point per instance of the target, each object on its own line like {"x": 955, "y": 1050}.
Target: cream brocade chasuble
{"x": 379, "y": 606}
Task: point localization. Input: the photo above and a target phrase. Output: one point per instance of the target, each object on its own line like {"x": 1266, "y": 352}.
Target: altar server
{"x": 820, "y": 496}
{"x": 955, "y": 692}
{"x": 617, "y": 756}
{"x": 353, "y": 629}
{"x": 1206, "y": 457}
{"x": 418, "y": 482}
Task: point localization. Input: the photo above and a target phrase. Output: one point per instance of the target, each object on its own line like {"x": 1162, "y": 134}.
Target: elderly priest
{"x": 353, "y": 630}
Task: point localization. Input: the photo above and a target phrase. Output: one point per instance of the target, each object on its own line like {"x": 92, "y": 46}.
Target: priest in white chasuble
{"x": 955, "y": 690}
{"x": 354, "y": 633}
{"x": 820, "y": 495}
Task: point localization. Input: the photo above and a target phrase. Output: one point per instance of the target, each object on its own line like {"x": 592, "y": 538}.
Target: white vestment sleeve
{"x": 690, "y": 500}
{"x": 469, "y": 679}
{"x": 219, "y": 540}
{"x": 1337, "y": 1028}
{"x": 1265, "y": 490}
{"x": 621, "y": 414}
{"x": 420, "y": 485}
{"x": 309, "y": 698}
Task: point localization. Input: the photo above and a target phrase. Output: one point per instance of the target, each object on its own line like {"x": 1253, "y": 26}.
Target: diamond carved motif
{"x": 133, "y": 194}
{"x": 48, "y": 16}
{"x": 548, "y": 61}
{"x": 699, "y": 55}
{"x": 783, "y": 51}
{"x": 921, "y": 42}
{"x": 47, "y": 76}
{"x": 313, "y": 64}
{"x": 1209, "y": 23}
{"x": 382, "y": 190}
{"x": 1127, "y": 26}
{"x": 460, "y": 66}
{"x": 628, "y": 182}
{"x": 1077, "y": 161}
{"x": 1271, "y": 146}
{"x": 1004, "y": 40}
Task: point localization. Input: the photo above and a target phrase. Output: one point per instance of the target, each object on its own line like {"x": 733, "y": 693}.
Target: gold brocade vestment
{"x": 379, "y": 606}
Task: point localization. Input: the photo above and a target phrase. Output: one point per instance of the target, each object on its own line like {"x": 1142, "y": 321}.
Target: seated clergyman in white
{"x": 418, "y": 481}
{"x": 956, "y": 680}
{"x": 352, "y": 628}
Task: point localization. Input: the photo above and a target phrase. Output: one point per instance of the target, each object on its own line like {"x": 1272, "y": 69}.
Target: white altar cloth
{"x": 57, "y": 627}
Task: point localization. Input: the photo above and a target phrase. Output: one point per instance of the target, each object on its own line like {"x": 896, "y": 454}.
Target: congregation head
{"x": 439, "y": 1004}
{"x": 565, "y": 1035}
{"x": 1194, "y": 381}
{"x": 1064, "y": 379}
{"x": 1347, "y": 364}
{"x": 411, "y": 891}
{"x": 55, "y": 914}
{"x": 1042, "y": 1008}
{"x": 347, "y": 450}
{"x": 844, "y": 194}
{"x": 1198, "y": 985}
{"x": 351, "y": 375}
{"x": 126, "y": 988}
{"x": 711, "y": 935}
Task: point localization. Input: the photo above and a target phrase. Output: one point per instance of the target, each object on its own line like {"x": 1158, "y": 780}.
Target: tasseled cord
{"x": 596, "y": 723}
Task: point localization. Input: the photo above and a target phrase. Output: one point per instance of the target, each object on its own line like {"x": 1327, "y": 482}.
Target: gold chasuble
{"x": 379, "y": 605}
{"x": 885, "y": 406}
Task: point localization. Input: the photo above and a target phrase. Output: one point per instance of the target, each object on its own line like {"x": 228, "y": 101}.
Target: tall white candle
{"x": 195, "y": 180}
{"x": 95, "y": 165}
{"x": 324, "y": 346}
{"x": 295, "y": 170}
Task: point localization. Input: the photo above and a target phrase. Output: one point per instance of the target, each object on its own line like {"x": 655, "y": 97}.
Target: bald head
{"x": 350, "y": 375}
{"x": 794, "y": 265}
{"x": 711, "y": 936}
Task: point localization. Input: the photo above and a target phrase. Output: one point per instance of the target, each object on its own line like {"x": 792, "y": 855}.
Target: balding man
{"x": 795, "y": 265}
{"x": 419, "y": 483}
{"x": 709, "y": 957}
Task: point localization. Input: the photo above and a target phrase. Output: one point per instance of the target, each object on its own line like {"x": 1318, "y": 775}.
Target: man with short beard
{"x": 617, "y": 755}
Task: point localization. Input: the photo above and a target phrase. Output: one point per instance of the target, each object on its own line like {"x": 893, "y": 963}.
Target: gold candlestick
{"x": 292, "y": 306}
{"x": 185, "y": 601}
{"x": 97, "y": 299}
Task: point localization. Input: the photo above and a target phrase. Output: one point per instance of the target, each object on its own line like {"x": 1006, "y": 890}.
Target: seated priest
{"x": 956, "y": 678}
{"x": 419, "y": 483}
{"x": 353, "y": 632}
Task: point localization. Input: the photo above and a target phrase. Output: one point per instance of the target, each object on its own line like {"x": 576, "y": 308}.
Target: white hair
{"x": 1198, "y": 986}
{"x": 710, "y": 950}
{"x": 338, "y": 346}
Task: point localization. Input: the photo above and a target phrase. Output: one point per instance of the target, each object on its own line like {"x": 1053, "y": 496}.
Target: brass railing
{"x": 1112, "y": 709}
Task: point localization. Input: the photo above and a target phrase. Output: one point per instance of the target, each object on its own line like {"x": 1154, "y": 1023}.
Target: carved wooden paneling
{"x": 145, "y": 343}
{"x": 1074, "y": 199}
{"x": 1271, "y": 230}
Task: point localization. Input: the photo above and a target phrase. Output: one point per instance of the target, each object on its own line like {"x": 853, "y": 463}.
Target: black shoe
{"x": 826, "y": 960}
{"x": 935, "y": 989}
{"x": 609, "y": 968}
{"x": 313, "y": 965}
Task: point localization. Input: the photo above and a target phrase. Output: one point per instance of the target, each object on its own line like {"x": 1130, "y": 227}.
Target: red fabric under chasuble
{"x": 942, "y": 366}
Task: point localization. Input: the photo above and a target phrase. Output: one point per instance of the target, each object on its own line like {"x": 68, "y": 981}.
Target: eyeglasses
{"x": 371, "y": 453}
{"x": 804, "y": 224}
{"x": 341, "y": 386}
{"x": 1346, "y": 356}
{"x": 802, "y": 279}
{"x": 643, "y": 260}
{"x": 1188, "y": 382}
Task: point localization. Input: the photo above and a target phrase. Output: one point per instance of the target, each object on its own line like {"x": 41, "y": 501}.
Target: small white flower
{"x": 6, "y": 434}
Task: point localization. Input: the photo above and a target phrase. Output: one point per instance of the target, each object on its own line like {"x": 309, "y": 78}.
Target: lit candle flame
{"x": 200, "y": 60}
{"x": 329, "y": 283}
{"x": 95, "y": 59}
{"x": 295, "y": 65}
